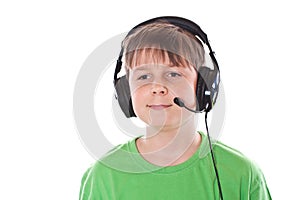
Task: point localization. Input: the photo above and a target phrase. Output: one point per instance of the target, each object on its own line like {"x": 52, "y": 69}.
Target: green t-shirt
{"x": 124, "y": 175}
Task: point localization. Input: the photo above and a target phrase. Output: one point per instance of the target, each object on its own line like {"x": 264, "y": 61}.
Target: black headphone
{"x": 208, "y": 79}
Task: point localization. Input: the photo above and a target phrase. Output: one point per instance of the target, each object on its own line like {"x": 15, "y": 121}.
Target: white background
{"x": 43, "y": 45}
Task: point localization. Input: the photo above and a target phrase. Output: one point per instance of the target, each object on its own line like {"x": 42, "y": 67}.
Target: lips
{"x": 159, "y": 106}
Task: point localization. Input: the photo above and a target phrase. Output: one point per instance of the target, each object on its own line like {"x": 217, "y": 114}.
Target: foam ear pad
{"x": 124, "y": 97}
{"x": 206, "y": 90}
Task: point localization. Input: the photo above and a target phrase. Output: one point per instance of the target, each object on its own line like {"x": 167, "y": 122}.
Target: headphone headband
{"x": 183, "y": 23}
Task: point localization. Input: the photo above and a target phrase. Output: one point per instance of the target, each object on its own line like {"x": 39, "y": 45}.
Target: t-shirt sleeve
{"x": 86, "y": 189}
{"x": 259, "y": 189}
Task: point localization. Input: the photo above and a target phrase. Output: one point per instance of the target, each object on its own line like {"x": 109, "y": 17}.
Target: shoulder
{"x": 234, "y": 161}
{"x": 235, "y": 166}
{"x": 101, "y": 168}
{"x": 228, "y": 156}
{"x": 120, "y": 159}
{"x": 97, "y": 175}
{"x": 225, "y": 155}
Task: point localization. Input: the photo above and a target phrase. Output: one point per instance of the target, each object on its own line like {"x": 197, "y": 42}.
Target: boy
{"x": 163, "y": 59}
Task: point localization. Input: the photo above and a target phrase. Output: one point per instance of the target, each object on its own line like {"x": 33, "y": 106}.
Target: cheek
{"x": 138, "y": 100}
{"x": 187, "y": 92}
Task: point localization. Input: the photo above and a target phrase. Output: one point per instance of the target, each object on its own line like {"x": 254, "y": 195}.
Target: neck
{"x": 169, "y": 145}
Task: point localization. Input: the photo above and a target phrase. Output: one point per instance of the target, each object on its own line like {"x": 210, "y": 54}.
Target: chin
{"x": 161, "y": 121}
{"x": 165, "y": 118}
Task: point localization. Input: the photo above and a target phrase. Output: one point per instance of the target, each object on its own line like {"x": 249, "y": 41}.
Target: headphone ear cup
{"x": 200, "y": 93}
{"x": 207, "y": 88}
{"x": 123, "y": 96}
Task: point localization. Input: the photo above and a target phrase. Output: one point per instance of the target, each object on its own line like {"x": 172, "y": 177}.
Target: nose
{"x": 158, "y": 89}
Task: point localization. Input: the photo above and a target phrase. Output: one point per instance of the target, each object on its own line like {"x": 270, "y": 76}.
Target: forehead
{"x": 155, "y": 57}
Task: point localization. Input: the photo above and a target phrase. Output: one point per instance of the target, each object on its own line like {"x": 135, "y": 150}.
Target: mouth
{"x": 159, "y": 106}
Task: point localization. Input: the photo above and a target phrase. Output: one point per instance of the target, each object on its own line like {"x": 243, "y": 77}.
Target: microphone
{"x": 180, "y": 103}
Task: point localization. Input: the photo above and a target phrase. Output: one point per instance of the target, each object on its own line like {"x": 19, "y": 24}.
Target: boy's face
{"x": 153, "y": 87}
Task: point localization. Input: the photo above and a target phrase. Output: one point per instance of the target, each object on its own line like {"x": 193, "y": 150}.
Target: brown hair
{"x": 160, "y": 41}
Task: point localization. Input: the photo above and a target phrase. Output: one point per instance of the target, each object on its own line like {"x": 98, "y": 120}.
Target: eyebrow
{"x": 147, "y": 66}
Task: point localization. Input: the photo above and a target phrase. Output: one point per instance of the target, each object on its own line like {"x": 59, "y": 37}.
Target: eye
{"x": 144, "y": 77}
{"x": 173, "y": 74}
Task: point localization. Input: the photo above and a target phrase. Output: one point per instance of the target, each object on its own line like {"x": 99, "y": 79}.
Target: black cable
{"x": 213, "y": 158}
